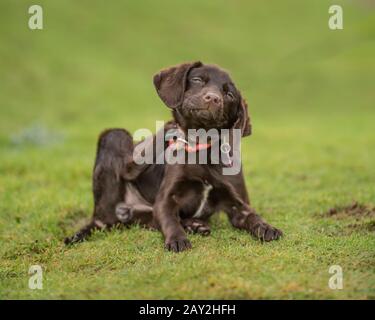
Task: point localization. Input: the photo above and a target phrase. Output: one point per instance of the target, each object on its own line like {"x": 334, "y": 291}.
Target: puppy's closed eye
{"x": 197, "y": 80}
{"x": 230, "y": 95}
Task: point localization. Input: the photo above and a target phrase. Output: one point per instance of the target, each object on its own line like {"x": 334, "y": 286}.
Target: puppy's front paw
{"x": 178, "y": 245}
{"x": 265, "y": 232}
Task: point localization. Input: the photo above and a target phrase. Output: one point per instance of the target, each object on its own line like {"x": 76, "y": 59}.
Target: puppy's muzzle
{"x": 213, "y": 99}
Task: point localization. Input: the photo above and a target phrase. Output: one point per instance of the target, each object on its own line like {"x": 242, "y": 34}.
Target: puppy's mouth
{"x": 195, "y": 107}
{"x": 203, "y": 115}
{"x": 199, "y": 111}
{"x": 199, "y": 106}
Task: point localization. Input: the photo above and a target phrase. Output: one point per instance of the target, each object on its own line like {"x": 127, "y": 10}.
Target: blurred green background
{"x": 311, "y": 97}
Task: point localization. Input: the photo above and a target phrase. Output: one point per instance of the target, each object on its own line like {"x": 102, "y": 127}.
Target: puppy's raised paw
{"x": 124, "y": 212}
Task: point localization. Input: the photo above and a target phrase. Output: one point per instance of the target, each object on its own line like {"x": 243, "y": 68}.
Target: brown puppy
{"x": 178, "y": 197}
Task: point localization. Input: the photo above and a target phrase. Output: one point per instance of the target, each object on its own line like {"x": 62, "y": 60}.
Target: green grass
{"x": 311, "y": 96}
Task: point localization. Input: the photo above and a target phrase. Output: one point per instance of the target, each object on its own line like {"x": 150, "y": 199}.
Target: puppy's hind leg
{"x": 85, "y": 232}
{"x": 115, "y": 148}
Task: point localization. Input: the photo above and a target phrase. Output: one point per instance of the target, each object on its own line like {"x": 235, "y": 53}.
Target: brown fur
{"x": 164, "y": 196}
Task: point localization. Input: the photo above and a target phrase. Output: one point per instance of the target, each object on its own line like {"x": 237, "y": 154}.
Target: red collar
{"x": 175, "y": 138}
{"x": 180, "y": 143}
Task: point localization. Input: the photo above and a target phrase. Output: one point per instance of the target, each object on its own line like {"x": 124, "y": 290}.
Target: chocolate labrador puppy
{"x": 176, "y": 198}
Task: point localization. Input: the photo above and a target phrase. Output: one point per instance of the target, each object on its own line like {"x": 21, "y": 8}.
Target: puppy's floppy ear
{"x": 170, "y": 83}
{"x": 243, "y": 119}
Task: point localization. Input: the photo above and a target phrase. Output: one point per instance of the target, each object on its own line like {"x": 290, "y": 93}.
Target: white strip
{"x": 206, "y": 191}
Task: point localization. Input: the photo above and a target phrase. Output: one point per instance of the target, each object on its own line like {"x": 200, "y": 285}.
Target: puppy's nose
{"x": 212, "y": 98}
